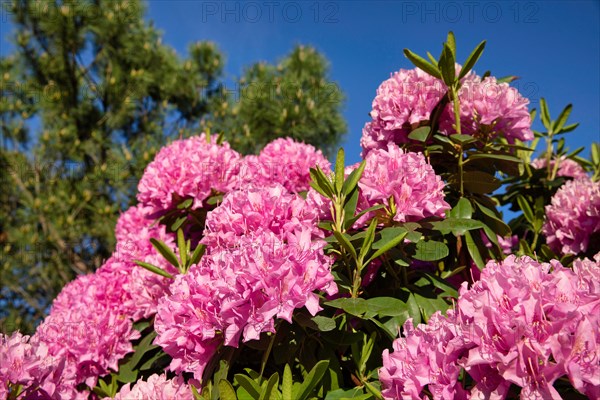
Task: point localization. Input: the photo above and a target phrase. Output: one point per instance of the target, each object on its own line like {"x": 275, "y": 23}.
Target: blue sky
{"x": 553, "y": 46}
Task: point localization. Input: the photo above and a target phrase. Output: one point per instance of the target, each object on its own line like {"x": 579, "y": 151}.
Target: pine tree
{"x": 88, "y": 96}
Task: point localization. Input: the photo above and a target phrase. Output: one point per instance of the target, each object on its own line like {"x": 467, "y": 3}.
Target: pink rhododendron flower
{"x": 490, "y": 109}
{"x": 133, "y": 232}
{"x": 406, "y": 178}
{"x": 566, "y": 167}
{"x": 573, "y": 216}
{"x": 264, "y": 259}
{"x": 522, "y": 323}
{"x": 191, "y": 168}
{"x": 156, "y": 387}
{"x": 89, "y": 328}
{"x": 283, "y": 161}
{"x": 269, "y": 208}
{"x": 402, "y": 102}
{"x": 407, "y": 99}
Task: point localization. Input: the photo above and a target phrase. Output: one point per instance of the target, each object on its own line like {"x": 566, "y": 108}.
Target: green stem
{"x": 456, "y": 104}
{"x": 267, "y": 353}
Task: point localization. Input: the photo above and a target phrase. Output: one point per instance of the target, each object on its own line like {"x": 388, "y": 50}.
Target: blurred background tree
{"x": 88, "y": 96}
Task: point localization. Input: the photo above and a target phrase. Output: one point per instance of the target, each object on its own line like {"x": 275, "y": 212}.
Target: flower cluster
{"x": 523, "y": 323}
{"x": 283, "y": 161}
{"x": 489, "y": 109}
{"x": 402, "y": 103}
{"x": 193, "y": 168}
{"x": 23, "y": 362}
{"x": 88, "y": 343}
{"x": 573, "y": 216}
{"x": 263, "y": 261}
{"x": 156, "y": 387}
{"x": 566, "y": 167}
{"x": 407, "y": 100}
{"x": 404, "y": 179}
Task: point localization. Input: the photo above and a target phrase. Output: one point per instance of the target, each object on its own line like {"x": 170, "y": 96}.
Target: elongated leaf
{"x": 458, "y": 226}
{"x": 226, "y": 391}
{"x": 451, "y": 42}
{"x": 385, "y": 307}
{"x": 462, "y": 139}
{"x": 508, "y": 79}
{"x": 312, "y": 379}
{"x": 153, "y": 268}
{"x": 352, "y": 306}
{"x": 324, "y": 324}
{"x": 339, "y": 170}
{"x": 198, "y": 253}
{"x": 353, "y": 178}
{"x": 390, "y": 238}
{"x": 545, "y": 114}
{"x": 183, "y": 250}
{"x": 490, "y": 156}
{"x": 178, "y": 223}
{"x": 474, "y": 250}
{"x": 343, "y": 240}
{"x": 185, "y": 204}
{"x": 430, "y": 250}
{"x": 249, "y": 385}
{"x": 368, "y": 240}
{"x": 320, "y": 182}
{"x": 423, "y": 64}
{"x": 562, "y": 118}
{"x": 350, "y": 207}
{"x": 471, "y": 60}
{"x": 480, "y": 182}
{"x": 462, "y": 209}
{"x": 448, "y": 67}
{"x": 420, "y": 134}
{"x": 526, "y": 208}
{"x": 268, "y": 389}
{"x": 165, "y": 251}
{"x": 286, "y": 383}
{"x": 568, "y": 128}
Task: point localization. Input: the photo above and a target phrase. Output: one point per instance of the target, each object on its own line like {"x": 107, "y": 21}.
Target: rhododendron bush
{"x": 284, "y": 276}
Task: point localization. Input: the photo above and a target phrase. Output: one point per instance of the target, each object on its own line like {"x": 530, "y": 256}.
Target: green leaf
{"x": 350, "y": 394}
{"x": 508, "y": 79}
{"x": 390, "y": 238}
{"x": 351, "y": 221}
{"x": 451, "y": 42}
{"x": 526, "y": 208}
{"x": 198, "y": 253}
{"x": 471, "y": 60}
{"x": 423, "y": 64}
{"x": 185, "y": 204}
{"x": 345, "y": 242}
{"x": 166, "y": 252}
{"x": 268, "y": 389}
{"x": 462, "y": 139}
{"x": 595, "y": 153}
{"x": 429, "y": 305}
{"x": 339, "y": 170}
{"x": 474, "y": 250}
{"x": 462, "y": 209}
{"x": 385, "y": 307}
{"x": 153, "y": 268}
{"x": 420, "y": 134}
{"x": 287, "y": 383}
{"x": 183, "y": 250}
{"x": 568, "y": 128}
{"x": 356, "y": 307}
{"x": 350, "y": 207}
{"x": 178, "y": 223}
{"x": 447, "y": 66}
{"x": 458, "y": 226}
{"x": 324, "y": 324}
{"x": 413, "y": 309}
{"x": 368, "y": 240}
{"x": 311, "y": 380}
{"x": 430, "y": 250}
{"x": 320, "y": 182}
{"x": 249, "y": 385}
{"x": 545, "y": 115}
{"x": 490, "y": 156}
{"x": 144, "y": 346}
{"x": 480, "y": 182}
{"x": 562, "y": 119}
{"x": 353, "y": 178}
{"x": 226, "y": 391}
{"x": 436, "y": 281}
